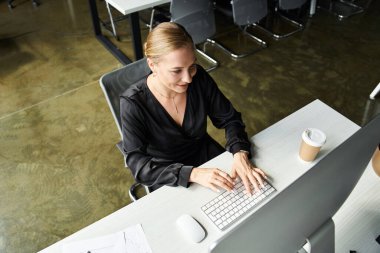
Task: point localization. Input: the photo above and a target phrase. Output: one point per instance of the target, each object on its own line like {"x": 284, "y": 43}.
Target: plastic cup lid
{"x": 314, "y": 137}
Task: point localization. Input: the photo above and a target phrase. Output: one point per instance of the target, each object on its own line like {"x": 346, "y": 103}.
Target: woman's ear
{"x": 151, "y": 64}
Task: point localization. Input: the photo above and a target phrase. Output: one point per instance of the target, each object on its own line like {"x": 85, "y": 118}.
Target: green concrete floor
{"x": 59, "y": 167}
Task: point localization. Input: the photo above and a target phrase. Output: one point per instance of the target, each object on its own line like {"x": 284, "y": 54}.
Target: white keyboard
{"x": 229, "y": 207}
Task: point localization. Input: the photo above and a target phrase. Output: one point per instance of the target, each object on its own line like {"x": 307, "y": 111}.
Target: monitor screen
{"x": 295, "y": 214}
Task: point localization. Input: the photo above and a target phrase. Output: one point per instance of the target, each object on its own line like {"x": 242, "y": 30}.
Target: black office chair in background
{"x": 113, "y": 84}
{"x": 197, "y": 17}
{"x": 11, "y": 6}
{"x": 279, "y": 20}
{"x": 341, "y": 8}
{"x": 245, "y": 13}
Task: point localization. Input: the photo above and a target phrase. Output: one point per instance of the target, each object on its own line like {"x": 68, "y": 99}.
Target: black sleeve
{"x": 224, "y": 115}
{"x": 150, "y": 171}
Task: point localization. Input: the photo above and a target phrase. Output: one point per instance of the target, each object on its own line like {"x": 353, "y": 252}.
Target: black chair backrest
{"x": 290, "y": 4}
{"x": 244, "y": 12}
{"x": 248, "y": 11}
{"x": 181, "y": 8}
{"x": 115, "y": 82}
{"x": 196, "y": 16}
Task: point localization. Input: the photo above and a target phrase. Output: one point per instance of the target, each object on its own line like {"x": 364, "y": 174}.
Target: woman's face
{"x": 175, "y": 70}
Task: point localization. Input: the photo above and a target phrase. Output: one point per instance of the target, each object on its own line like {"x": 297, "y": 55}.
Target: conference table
{"x": 275, "y": 150}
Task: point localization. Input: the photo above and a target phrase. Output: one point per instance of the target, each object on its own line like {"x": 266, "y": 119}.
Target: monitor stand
{"x": 322, "y": 240}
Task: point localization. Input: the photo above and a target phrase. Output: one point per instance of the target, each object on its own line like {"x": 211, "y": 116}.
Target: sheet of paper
{"x": 135, "y": 240}
{"x": 130, "y": 240}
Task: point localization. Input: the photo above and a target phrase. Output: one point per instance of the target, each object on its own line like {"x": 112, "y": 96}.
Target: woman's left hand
{"x": 248, "y": 173}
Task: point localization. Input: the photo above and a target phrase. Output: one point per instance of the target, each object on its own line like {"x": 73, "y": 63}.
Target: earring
{"x": 154, "y": 74}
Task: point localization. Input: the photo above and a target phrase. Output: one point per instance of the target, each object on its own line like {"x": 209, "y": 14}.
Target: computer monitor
{"x": 303, "y": 211}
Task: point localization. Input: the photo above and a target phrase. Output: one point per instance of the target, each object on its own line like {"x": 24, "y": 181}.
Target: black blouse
{"x": 159, "y": 151}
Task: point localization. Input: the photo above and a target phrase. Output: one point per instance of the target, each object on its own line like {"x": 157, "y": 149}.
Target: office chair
{"x": 341, "y": 8}
{"x": 271, "y": 24}
{"x": 197, "y": 17}
{"x": 113, "y": 84}
{"x": 245, "y": 13}
{"x": 11, "y": 6}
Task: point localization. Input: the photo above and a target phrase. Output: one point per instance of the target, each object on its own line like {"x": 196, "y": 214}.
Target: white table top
{"x": 275, "y": 151}
{"x": 130, "y": 6}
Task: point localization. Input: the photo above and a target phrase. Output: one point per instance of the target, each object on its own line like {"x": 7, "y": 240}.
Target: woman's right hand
{"x": 212, "y": 178}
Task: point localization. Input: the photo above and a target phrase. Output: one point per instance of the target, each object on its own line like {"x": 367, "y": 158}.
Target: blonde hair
{"x": 165, "y": 38}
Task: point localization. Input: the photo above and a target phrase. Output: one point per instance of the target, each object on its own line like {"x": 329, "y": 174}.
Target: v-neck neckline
{"x": 165, "y": 111}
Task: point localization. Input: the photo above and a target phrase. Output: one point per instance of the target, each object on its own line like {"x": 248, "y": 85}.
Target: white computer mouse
{"x": 190, "y": 228}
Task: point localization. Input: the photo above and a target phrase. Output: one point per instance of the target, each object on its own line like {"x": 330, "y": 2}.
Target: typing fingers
{"x": 223, "y": 180}
{"x": 247, "y": 185}
{"x": 254, "y": 181}
{"x": 212, "y": 178}
{"x": 261, "y": 176}
{"x": 256, "y": 178}
{"x": 262, "y": 173}
{"x": 213, "y": 187}
{"x": 226, "y": 177}
{"x": 234, "y": 173}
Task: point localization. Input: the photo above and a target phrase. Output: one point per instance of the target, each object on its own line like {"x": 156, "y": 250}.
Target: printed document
{"x": 130, "y": 240}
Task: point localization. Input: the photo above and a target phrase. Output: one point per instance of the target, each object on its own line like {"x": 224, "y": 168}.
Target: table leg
{"x": 136, "y": 35}
{"x": 313, "y": 4}
{"x": 99, "y": 35}
{"x": 94, "y": 17}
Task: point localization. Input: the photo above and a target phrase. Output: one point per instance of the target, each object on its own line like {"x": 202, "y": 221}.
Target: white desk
{"x": 129, "y": 6}
{"x": 275, "y": 151}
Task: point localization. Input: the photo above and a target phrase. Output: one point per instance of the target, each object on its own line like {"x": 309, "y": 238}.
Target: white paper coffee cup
{"x": 312, "y": 142}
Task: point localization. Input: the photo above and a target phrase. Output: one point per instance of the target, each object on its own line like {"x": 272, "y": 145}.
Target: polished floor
{"x": 59, "y": 167}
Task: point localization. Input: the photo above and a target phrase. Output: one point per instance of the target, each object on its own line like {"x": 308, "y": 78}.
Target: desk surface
{"x": 130, "y": 6}
{"x": 275, "y": 151}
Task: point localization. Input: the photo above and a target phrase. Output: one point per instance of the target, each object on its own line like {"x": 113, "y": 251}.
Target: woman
{"x": 164, "y": 120}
